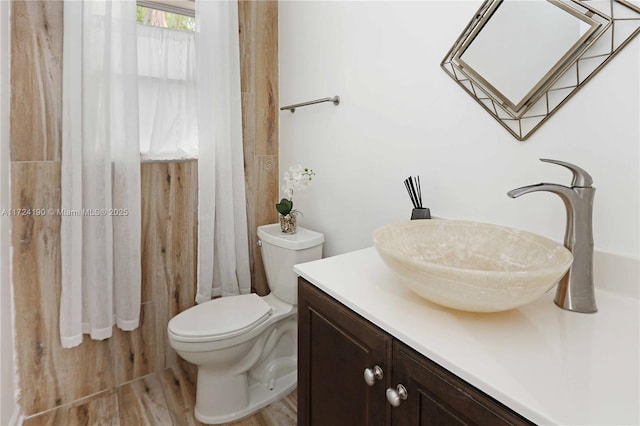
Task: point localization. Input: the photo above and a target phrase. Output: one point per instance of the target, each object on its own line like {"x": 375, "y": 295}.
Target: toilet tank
{"x": 281, "y": 251}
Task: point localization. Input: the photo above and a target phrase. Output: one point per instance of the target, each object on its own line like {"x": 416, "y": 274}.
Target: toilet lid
{"x": 220, "y": 318}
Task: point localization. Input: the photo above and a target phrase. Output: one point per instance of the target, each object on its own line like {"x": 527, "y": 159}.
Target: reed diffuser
{"x": 415, "y": 193}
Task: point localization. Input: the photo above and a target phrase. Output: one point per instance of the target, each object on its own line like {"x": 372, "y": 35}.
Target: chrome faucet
{"x": 575, "y": 290}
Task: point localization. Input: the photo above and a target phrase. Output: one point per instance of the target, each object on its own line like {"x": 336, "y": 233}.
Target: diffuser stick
{"x": 414, "y": 190}
{"x": 410, "y": 192}
{"x": 414, "y": 194}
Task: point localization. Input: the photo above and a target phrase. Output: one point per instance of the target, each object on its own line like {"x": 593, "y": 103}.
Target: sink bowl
{"x": 471, "y": 266}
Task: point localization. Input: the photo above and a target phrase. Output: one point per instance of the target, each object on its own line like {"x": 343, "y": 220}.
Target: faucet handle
{"x": 581, "y": 178}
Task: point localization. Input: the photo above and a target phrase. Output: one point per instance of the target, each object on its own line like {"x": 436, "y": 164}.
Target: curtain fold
{"x": 100, "y": 209}
{"x": 223, "y": 252}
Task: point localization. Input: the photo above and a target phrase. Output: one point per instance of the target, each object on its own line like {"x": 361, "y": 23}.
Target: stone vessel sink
{"x": 471, "y": 266}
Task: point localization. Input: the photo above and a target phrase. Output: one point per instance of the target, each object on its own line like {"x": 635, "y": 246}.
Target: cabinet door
{"x": 335, "y": 346}
{"x": 435, "y": 396}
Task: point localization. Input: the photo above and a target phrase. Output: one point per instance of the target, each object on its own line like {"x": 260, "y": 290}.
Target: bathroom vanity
{"x": 372, "y": 352}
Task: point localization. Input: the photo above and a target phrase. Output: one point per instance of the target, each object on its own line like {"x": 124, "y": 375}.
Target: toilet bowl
{"x": 245, "y": 346}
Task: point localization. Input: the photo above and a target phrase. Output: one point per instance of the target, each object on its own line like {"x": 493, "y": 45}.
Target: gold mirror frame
{"x": 613, "y": 25}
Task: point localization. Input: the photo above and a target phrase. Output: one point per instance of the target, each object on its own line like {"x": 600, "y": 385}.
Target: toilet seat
{"x": 220, "y": 319}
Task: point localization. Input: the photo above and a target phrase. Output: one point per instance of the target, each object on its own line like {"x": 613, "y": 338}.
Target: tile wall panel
{"x": 251, "y": 187}
{"x": 169, "y": 245}
{"x": 266, "y": 197}
{"x": 135, "y": 351}
{"x": 266, "y": 83}
{"x": 49, "y": 375}
{"x": 247, "y": 14}
{"x": 259, "y": 80}
{"x": 36, "y": 80}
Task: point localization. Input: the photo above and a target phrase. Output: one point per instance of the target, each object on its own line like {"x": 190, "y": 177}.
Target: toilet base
{"x": 259, "y": 397}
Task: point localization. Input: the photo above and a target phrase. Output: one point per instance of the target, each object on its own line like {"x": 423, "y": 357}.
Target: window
{"x": 165, "y": 19}
{"x": 166, "y": 82}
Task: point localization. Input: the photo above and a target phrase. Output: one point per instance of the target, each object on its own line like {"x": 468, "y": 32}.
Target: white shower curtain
{"x": 223, "y": 253}
{"x": 100, "y": 223}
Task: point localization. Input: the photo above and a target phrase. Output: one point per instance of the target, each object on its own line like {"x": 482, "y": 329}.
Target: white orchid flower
{"x": 297, "y": 178}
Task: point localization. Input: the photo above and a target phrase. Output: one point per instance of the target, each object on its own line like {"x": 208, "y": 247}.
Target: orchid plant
{"x": 296, "y": 179}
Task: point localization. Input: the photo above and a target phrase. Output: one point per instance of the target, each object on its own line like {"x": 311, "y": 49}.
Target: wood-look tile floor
{"x": 159, "y": 399}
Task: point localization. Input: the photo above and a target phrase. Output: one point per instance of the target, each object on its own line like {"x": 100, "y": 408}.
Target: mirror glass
{"x": 522, "y": 60}
{"x": 521, "y": 44}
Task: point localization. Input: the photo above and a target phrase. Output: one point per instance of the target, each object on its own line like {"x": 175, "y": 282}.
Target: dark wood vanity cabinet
{"x": 435, "y": 396}
{"x": 336, "y": 345}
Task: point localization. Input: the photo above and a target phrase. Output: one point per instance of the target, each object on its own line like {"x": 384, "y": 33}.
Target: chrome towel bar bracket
{"x": 292, "y": 108}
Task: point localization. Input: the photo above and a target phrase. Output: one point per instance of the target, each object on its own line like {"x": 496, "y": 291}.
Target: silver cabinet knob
{"x": 372, "y": 374}
{"x": 397, "y": 395}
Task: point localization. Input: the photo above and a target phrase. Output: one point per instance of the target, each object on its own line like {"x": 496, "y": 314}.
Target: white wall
{"x": 8, "y": 407}
{"x": 402, "y": 115}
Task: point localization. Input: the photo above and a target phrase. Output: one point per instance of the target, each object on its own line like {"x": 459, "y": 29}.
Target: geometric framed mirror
{"x": 522, "y": 60}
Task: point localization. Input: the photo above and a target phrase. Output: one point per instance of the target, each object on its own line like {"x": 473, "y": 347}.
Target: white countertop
{"x": 551, "y": 366}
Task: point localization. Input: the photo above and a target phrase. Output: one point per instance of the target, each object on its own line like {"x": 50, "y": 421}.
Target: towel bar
{"x": 292, "y": 108}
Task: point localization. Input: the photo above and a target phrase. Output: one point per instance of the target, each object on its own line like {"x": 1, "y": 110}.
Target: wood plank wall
{"x": 49, "y": 375}
{"x": 259, "y": 84}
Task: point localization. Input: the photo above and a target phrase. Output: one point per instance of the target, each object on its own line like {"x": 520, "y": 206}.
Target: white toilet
{"x": 245, "y": 347}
